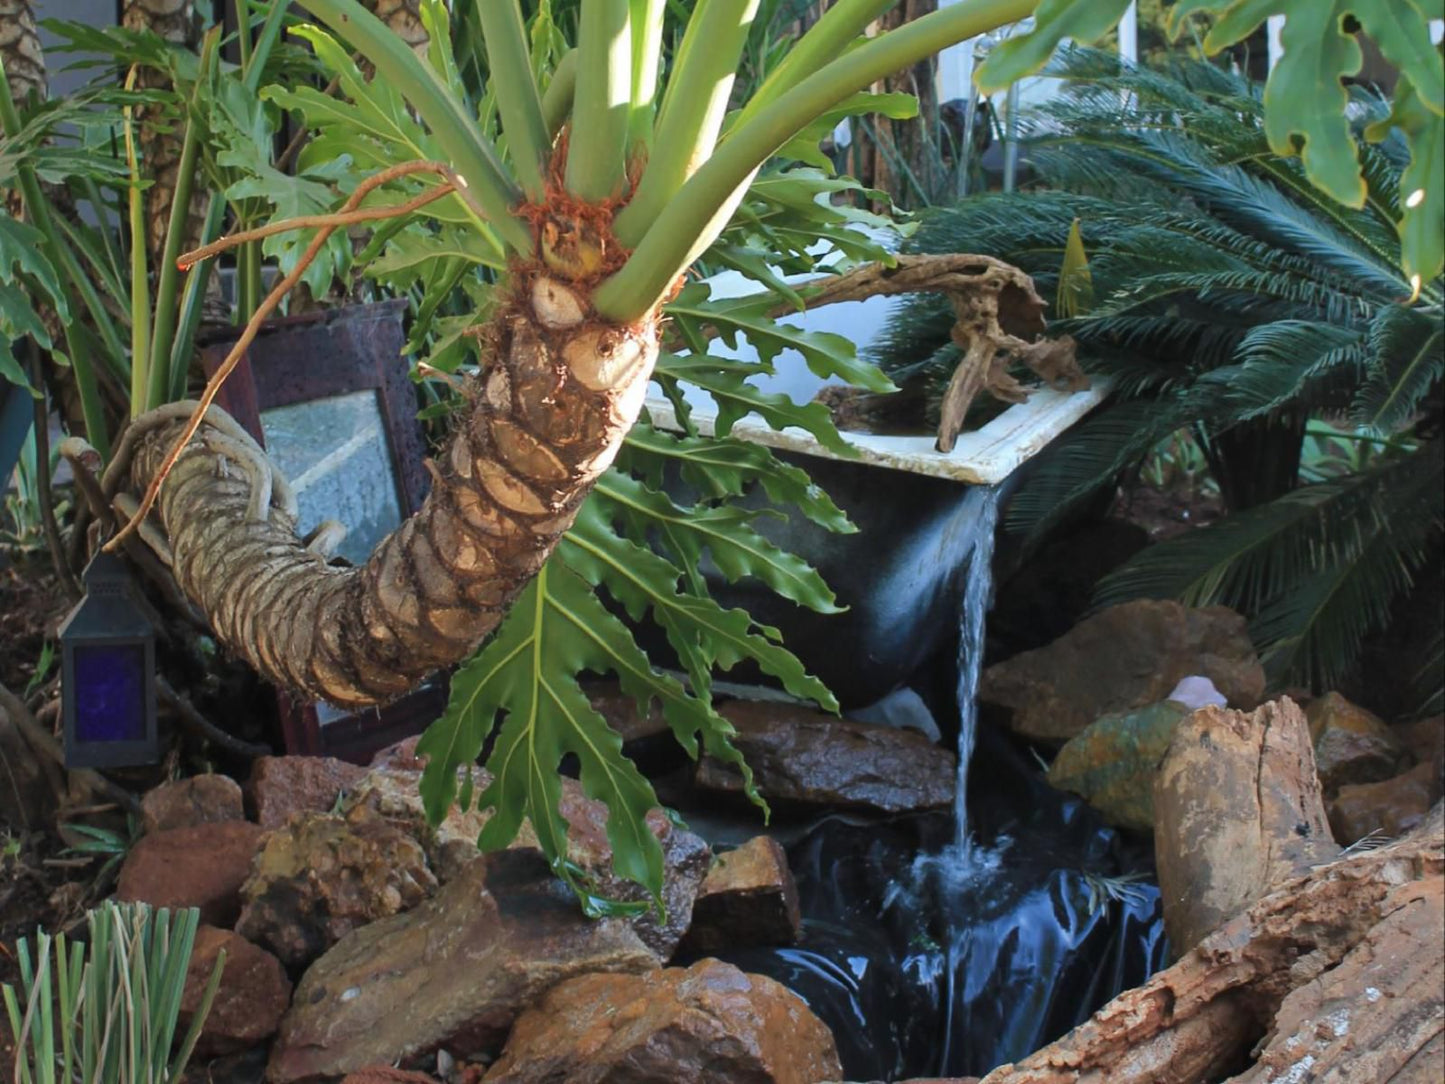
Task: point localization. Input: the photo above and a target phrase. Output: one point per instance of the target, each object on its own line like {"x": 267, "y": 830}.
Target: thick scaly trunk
{"x": 547, "y": 413}
{"x": 403, "y": 18}
{"x": 176, "y": 22}
{"x": 20, "y": 48}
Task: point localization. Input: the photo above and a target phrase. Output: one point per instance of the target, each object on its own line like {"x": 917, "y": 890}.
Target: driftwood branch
{"x": 192, "y": 719}
{"x": 44, "y": 743}
{"x": 999, "y": 319}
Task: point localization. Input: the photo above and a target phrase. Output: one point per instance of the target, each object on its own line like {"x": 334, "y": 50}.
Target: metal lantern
{"x": 108, "y": 672}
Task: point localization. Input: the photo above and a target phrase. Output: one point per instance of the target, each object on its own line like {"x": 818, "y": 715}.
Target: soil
{"x": 1167, "y": 513}
{"x": 32, "y": 605}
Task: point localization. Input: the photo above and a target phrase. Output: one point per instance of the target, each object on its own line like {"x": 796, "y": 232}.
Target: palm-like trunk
{"x": 176, "y": 22}
{"x": 403, "y": 18}
{"x": 20, "y": 48}
{"x": 547, "y": 415}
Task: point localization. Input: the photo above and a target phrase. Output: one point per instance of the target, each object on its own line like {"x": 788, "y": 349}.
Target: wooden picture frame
{"x": 336, "y": 359}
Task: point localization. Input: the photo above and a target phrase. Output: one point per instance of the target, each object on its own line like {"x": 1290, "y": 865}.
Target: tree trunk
{"x": 403, "y": 18}
{"x": 177, "y": 23}
{"x": 559, "y": 390}
{"x": 20, "y": 48}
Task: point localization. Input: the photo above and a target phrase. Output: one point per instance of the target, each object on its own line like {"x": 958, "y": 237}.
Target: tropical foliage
{"x": 1223, "y": 292}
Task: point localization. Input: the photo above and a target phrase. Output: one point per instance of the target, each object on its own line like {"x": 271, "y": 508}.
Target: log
{"x": 1237, "y": 810}
{"x": 1335, "y": 975}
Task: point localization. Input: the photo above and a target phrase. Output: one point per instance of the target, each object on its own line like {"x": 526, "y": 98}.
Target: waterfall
{"x": 977, "y": 589}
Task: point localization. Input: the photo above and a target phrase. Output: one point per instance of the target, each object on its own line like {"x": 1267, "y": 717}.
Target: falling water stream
{"x": 937, "y": 949}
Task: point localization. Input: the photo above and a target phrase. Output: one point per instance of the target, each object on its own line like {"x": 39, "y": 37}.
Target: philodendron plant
{"x": 589, "y": 187}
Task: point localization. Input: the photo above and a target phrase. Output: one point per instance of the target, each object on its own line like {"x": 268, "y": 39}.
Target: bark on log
{"x": 1336, "y": 976}
{"x": 1237, "y": 810}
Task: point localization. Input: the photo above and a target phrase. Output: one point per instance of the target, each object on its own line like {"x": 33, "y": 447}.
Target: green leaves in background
{"x": 1305, "y": 97}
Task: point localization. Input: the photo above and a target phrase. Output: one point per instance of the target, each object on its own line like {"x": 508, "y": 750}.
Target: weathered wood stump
{"x": 1312, "y": 966}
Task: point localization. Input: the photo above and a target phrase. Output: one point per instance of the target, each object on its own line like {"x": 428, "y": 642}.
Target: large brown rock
{"x": 1390, "y": 808}
{"x": 1352, "y": 745}
{"x": 1122, "y": 659}
{"x": 185, "y": 803}
{"x": 1111, "y": 763}
{"x": 281, "y": 786}
{"x": 1238, "y": 810}
{"x": 708, "y": 1024}
{"x": 321, "y": 876}
{"x": 748, "y": 898}
{"x": 453, "y": 972}
{"x": 804, "y": 757}
{"x": 202, "y": 867}
{"x": 393, "y": 794}
{"x": 250, "y": 1001}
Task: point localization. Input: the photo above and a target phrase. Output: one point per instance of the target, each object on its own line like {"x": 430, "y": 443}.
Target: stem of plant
{"x": 596, "y": 165}
{"x": 475, "y": 159}
{"x": 168, "y": 275}
{"x": 692, "y": 109}
{"x": 693, "y": 219}
{"x": 510, "y": 65}
{"x": 557, "y": 101}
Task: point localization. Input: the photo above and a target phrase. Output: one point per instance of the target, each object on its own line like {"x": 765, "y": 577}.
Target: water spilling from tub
{"x": 944, "y": 946}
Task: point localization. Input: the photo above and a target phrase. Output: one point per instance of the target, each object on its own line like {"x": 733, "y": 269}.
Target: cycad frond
{"x": 1407, "y": 347}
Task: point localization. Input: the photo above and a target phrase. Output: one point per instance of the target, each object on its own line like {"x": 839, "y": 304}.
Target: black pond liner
{"x": 917, "y": 977}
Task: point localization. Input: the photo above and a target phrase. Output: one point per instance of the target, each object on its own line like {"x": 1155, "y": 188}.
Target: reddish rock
{"x": 1120, "y": 660}
{"x": 451, "y": 846}
{"x": 1425, "y": 738}
{"x": 452, "y": 973}
{"x": 250, "y": 1001}
{"x": 185, "y": 803}
{"x": 707, "y": 1024}
{"x": 748, "y": 898}
{"x": 401, "y": 755}
{"x": 807, "y": 757}
{"x": 1391, "y": 807}
{"x": 1352, "y": 745}
{"x": 620, "y": 711}
{"x": 281, "y": 786}
{"x": 322, "y": 876}
{"x": 385, "y": 1074}
{"x": 203, "y": 867}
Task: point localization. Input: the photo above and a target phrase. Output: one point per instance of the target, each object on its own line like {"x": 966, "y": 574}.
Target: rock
{"x": 394, "y": 794}
{"x": 250, "y": 1001}
{"x": 1391, "y": 807}
{"x": 401, "y": 754}
{"x": 321, "y": 876}
{"x": 1111, "y": 764}
{"x": 202, "y": 867}
{"x": 748, "y": 899}
{"x": 454, "y": 971}
{"x": 1425, "y": 738}
{"x": 1352, "y": 745}
{"x": 620, "y": 711}
{"x": 185, "y": 803}
{"x": 385, "y": 1074}
{"x": 281, "y": 786}
{"x": 707, "y": 1024}
{"x": 1120, "y": 660}
{"x": 1237, "y": 810}
{"x": 806, "y": 757}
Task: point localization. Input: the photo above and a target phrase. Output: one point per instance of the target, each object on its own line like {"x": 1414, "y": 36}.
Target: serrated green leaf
{"x": 726, "y": 467}
{"x": 22, "y": 253}
{"x": 826, "y": 354}
{"x": 736, "y": 399}
{"x": 528, "y": 670}
{"x": 702, "y": 632}
{"x": 1054, "y": 21}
